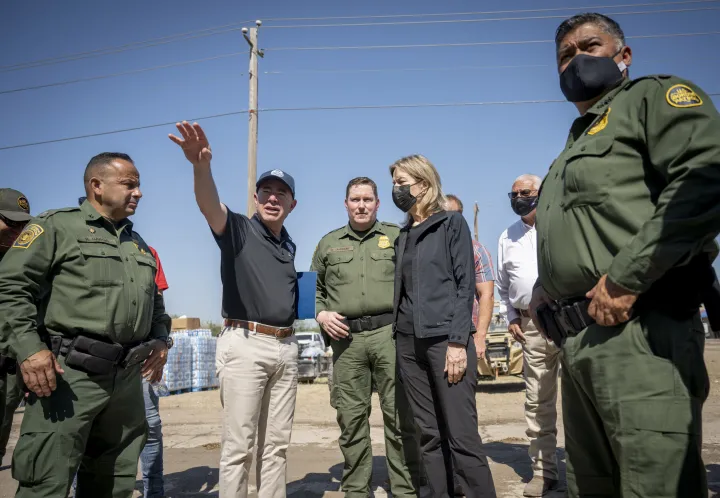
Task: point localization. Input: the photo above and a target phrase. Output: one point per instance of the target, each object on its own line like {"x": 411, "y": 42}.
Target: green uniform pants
{"x": 632, "y": 400}
{"x": 368, "y": 357}
{"x": 92, "y": 424}
{"x": 10, "y": 397}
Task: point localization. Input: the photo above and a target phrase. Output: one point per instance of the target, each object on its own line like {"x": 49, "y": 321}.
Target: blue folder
{"x": 306, "y": 295}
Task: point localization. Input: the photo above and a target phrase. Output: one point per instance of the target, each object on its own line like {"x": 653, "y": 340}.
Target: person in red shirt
{"x": 160, "y": 281}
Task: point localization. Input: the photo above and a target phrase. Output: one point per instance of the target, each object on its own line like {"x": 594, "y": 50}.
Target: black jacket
{"x": 444, "y": 271}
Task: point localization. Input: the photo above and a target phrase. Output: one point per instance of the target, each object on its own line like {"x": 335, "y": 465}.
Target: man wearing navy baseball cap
{"x": 256, "y": 357}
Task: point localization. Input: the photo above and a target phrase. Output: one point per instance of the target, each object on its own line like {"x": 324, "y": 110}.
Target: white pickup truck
{"x": 314, "y": 358}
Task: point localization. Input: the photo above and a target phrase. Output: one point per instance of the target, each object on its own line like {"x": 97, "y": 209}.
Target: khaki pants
{"x": 258, "y": 385}
{"x": 541, "y": 366}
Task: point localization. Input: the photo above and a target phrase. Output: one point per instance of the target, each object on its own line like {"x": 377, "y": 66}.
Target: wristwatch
{"x": 169, "y": 342}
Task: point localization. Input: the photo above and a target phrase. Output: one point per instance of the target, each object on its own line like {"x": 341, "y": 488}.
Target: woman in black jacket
{"x": 437, "y": 364}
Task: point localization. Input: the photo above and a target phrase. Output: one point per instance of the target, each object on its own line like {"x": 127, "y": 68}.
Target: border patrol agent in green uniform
{"x": 354, "y": 303}
{"x": 80, "y": 312}
{"x": 14, "y": 214}
{"x": 626, "y": 221}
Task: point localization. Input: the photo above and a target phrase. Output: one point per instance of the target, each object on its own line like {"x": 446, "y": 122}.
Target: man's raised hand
{"x": 194, "y": 144}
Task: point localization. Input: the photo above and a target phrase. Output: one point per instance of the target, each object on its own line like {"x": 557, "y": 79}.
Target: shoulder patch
{"x": 28, "y": 236}
{"x": 683, "y": 96}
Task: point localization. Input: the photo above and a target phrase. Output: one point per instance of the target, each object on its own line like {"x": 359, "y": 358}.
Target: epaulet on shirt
{"x": 388, "y": 224}
{"x": 52, "y": 212}
{"x": 660, "y": 78}
{"x": 331, "y": 232}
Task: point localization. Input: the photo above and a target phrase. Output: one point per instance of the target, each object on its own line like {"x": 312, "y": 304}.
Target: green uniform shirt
{"x": 636, "y": 190}
{"x": 74, "y": 272}
{"x": 356, "y": 274}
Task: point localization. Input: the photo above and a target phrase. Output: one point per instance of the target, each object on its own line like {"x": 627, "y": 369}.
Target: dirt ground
{"x": 192, "y": 422}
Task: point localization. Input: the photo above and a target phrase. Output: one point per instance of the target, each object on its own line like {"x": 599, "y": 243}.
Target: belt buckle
{"x": 366, "y": 322}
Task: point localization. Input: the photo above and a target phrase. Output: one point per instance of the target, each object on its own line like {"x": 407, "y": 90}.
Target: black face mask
{"x": 402, "y": 197}
{"x": 587, "y": 77}
{"x": 523, "y": 206}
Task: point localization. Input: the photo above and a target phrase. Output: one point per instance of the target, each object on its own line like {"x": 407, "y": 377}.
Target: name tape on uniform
{"x": 28, "y": 236}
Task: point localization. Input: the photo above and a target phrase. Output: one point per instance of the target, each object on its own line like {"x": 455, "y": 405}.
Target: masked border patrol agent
{"x": 14, "y": 215}
{"x": 626, "y": 220}
{"x": 354, "y": 301}
{"x": 81, "y": 315}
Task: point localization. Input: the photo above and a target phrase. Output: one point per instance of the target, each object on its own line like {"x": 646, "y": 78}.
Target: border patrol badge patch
{"x": 23, "y": 204}
{"x": 383, "y": 242}
{"x": 600, "y": 126}
{"x": 683, "y": 96}
{"x": 28, "y": 236}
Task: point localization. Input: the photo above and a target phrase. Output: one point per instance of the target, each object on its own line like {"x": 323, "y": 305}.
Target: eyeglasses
{"x": 522, "y": 193}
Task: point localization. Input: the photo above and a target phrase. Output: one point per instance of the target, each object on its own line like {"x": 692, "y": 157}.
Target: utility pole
{"x": 252, "y": 114}
{"x": 476, "y": 209}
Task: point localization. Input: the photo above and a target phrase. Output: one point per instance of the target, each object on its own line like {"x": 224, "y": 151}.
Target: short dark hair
{"x": 361, "y": 180}
{"x": 453, "y": 197}
{"x": 101, "y": 160}
{"x": 608, "y": 25}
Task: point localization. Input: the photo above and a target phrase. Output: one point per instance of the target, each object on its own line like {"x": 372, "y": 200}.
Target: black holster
{"x": 8, "y": 366}
{"x": 96, "y": 356}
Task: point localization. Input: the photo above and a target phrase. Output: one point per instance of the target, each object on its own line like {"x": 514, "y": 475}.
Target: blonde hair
{"x": 421, "y": 169}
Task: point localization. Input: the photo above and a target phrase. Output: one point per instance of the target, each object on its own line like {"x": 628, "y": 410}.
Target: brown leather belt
{"x": 524, "y": 313}
{"x": 279, "y": 332}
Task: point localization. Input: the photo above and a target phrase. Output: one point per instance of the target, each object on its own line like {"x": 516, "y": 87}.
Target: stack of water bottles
{"x": 203, "y": 346}
{"x": 177, "y": 374}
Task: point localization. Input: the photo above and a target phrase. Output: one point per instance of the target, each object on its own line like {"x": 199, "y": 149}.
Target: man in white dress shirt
{"x": 516, "y": 274}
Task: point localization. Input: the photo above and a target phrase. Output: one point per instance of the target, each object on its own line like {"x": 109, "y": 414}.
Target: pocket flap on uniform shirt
{"x": 102, "y": 248}
{"x": 335, "y": 258}
{"x": 146, "y": 260}
{"x": 383, "y": 255}
{"x": 598, "y": 146}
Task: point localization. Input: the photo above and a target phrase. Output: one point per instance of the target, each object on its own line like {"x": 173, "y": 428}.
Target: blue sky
{"x": 478, "y": 150}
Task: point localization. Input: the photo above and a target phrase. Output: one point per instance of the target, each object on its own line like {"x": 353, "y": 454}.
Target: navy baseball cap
{"x": 277, "y": 174}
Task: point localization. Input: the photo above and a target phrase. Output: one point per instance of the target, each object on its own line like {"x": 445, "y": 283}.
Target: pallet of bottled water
{"x": 203, "y": 346}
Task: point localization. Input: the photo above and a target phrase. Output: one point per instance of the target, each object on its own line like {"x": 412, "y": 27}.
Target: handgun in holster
{"x": 8, "y": 366}
{"x": 546, "y": 321}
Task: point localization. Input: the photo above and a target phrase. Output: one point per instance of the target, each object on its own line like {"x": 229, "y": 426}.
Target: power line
{"x": 108, "y": 51}
{"x": 124, "y": 73}
{"x": 300, "y": 109}
{"x": 394, "y": 69}
{"x": 226, "y": 28}
{"x": 472, "y": 44}
{"x": 515, "y": 11}
{"x": 453, "y": 21}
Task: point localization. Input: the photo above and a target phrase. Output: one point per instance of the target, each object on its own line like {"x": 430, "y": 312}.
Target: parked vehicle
{"x": 314, "y": 358}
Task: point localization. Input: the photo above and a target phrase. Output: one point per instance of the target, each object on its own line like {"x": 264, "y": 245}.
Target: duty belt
{"x": 566, "y": 319}
{"x": 96, "y": 356}
{"x": 366, "y": 323}
{"x": 278, "y": 332}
